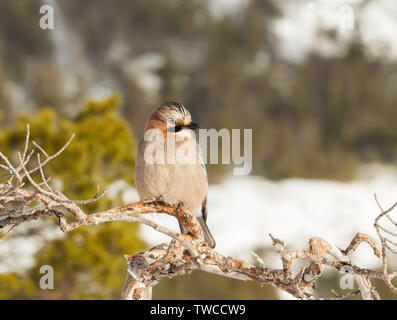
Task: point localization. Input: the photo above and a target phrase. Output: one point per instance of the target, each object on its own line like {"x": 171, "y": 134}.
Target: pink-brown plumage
{"x": 174, "y": 180}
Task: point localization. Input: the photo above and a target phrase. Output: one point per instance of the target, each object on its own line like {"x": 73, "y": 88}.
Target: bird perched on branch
{"x": 169, "y": 165}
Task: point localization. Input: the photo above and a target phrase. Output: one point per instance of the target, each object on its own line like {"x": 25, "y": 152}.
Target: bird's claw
{"x": 153, "y": 199}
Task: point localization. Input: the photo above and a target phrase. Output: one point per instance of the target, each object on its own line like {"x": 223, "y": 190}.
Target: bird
{"x": 174, "y": 180}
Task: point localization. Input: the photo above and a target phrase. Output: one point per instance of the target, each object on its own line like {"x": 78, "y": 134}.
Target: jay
{"x": 174, "y": 179}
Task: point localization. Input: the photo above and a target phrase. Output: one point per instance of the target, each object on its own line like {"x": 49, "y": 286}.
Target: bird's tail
{"x": 206, "y": 232}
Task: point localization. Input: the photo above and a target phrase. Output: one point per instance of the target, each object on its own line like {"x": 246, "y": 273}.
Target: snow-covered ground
{"x": 244, "y": 210}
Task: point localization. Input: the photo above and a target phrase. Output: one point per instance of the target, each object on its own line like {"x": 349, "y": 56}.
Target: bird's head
{"x": 171, "y": 117}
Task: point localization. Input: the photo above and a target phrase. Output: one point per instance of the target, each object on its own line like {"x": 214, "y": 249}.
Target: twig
{"x": 54, "y": 155}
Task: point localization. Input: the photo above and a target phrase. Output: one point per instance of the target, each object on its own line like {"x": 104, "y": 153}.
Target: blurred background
{"x": 315, "y": 80}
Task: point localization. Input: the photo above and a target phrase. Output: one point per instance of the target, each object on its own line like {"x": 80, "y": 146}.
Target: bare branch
{"x": 42, "y": 175}
{"x": 9, "y": 165}
{"x": 54, "y": 155}
{"x": 26, "y": 143}
{"x": 40, "y": 149}
{"x": 97, "y": 196}
{"x": 12, "y": 228}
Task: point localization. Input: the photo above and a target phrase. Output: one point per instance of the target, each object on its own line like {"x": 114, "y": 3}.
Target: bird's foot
{"x": 179, "y": 206}
{"x": 152, "y": 200}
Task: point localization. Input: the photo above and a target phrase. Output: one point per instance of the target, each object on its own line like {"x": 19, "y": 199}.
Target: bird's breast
{"x": 175, "y": 182}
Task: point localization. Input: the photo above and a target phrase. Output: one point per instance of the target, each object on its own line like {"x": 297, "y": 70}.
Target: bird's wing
{"x": 203, "y": 165}
{"x": 204, "y": 211}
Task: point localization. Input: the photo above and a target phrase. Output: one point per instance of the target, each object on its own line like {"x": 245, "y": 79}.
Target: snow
{"x": 302, "y": 20}
{"x": 18, "y": 250}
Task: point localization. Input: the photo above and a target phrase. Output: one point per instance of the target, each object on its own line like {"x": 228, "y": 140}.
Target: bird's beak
{"x": 193, "y": 125}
